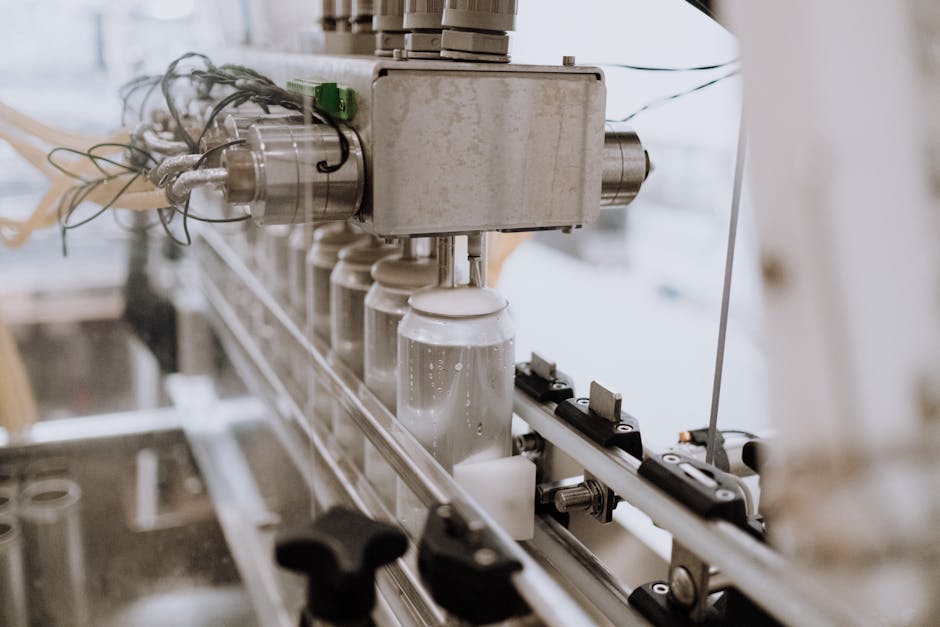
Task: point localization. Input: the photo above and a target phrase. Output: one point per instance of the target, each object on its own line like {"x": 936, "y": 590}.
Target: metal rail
{"x": 411, "y": 462}
{"x": 345, "y": 483}
{"x": 762, "y": 574}
{"x": 576, "y": 563}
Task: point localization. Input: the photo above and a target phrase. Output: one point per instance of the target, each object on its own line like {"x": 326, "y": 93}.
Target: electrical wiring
{"x": 113, "y": 172}
{"x": 665, "y": 99}
{"x": 650, "y": 68}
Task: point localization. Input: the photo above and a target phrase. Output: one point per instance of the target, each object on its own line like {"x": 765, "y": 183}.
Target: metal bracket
{"x": 576, "y": 494}
{"x": 605, "y": 403}
{"x": 702, "y": 488}
{"x": 540, "y": 379}
{"x": 601, "y": 419}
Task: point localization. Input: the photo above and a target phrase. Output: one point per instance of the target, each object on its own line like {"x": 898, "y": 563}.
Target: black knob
{"x": 466, "y": 569}
{"x": 339, "y": 553}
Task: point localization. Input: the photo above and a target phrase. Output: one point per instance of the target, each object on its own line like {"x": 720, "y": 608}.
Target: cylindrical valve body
{"x": 284, "y": 174}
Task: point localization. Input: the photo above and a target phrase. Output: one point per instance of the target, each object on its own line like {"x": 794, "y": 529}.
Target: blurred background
{"x": 643, "y": 284}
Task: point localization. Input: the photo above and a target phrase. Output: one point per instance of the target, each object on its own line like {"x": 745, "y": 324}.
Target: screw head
{"x": 724, "y": 494}
{"x": 670, "y": 458}
{"x": 558, "y": 385}
{"x": 485, "y": 557}
{"x": 583, "y": 401}
{"x": 623, "y": 428}
{"x": 660, "y": 588}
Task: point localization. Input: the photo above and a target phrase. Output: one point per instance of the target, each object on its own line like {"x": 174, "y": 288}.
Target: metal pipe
{"x": 155, "y": 143}
{"x": 179, "y": 191}
{"x": 12, "y": 581}
{"x": 51, "y": 525}
{"x": 446, "y": 268}
{"x": 477, "y": 253}
{"x": 171, "y": 166}
{"x": 408, "y": 248}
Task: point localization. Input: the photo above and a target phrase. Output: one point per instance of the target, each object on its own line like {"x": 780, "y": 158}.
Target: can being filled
{"x": 349, "y": 283}
{"x": 455, "y": 379}
{"x": 395, "y": 279}
{"x": 328, "y": 240}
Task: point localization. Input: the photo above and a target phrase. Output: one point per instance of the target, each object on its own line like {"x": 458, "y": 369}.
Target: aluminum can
{"x": 349, "y": 283}
{"x": 395, "y": 279}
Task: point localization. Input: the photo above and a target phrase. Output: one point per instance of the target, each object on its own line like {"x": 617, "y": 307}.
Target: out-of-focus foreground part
{"x": 848, "y": 215}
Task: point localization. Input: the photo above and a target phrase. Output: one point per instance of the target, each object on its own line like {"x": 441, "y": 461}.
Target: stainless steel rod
{"x": 446, "y": 265}
{"x": 726, "y": 292}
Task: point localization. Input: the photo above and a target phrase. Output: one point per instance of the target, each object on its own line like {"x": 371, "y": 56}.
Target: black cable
{"x": 649, "y": 68}
{"x": 661, "y": 101}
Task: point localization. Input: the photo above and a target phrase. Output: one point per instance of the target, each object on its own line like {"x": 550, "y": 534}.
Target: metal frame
{"x": 759, "y": 572}
{"x": 413, "y": 464}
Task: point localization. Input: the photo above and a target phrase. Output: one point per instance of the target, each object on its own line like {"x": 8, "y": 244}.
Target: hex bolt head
{"x": 575, "y": 498}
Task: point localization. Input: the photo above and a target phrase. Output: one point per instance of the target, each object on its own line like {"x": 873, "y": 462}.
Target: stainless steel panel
{"x": 456, "y": 151}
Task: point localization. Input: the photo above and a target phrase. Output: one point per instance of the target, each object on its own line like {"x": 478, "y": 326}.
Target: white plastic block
{"x": 505, "y": 488}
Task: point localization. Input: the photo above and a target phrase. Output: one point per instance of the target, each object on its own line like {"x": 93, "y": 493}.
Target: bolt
{"x": 444, "y": 511}
{"x": 583, "y": 401}
{"x": 567, "y": 60}
{"x": 724, "y": 494}
{"x": 399, "y": 55}
{"x": 669, "y": 458}
{"x": 558, "y": 385}
{"x": 623, "y": 428}
{"x": 682, "y": 586}
{"x": 660, "y": 588}
{"x": 485, "y": 557}
{"x": 529, "y": 443}
{"x": 579, "y": 497}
